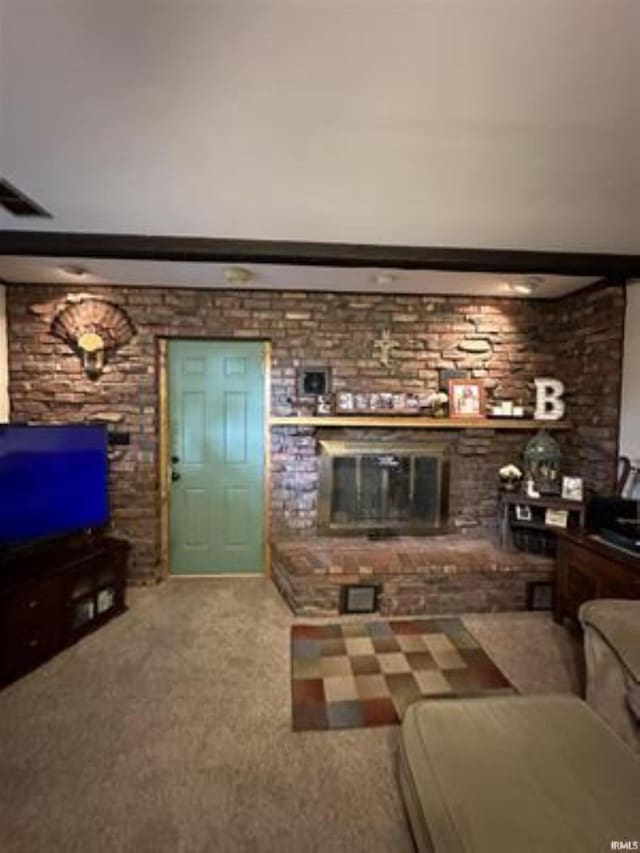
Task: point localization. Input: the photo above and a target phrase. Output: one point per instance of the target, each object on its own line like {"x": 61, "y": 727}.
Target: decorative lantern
{"x": 542, "y": 463}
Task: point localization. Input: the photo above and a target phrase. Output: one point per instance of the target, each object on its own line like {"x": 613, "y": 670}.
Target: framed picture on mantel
{"x": 466, "y": 398}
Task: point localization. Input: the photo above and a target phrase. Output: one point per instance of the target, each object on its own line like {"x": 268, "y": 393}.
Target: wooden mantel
{"x": 415, "y": 422}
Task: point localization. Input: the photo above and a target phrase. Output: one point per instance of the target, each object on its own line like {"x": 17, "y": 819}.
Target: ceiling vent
{"x": 19, "y": 204}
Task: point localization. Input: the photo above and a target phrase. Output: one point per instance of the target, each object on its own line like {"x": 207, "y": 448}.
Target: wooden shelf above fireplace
{"x": 415, "y": 422}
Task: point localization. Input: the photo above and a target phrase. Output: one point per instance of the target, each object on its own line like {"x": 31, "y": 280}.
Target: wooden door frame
{"x": 163, "y": 445}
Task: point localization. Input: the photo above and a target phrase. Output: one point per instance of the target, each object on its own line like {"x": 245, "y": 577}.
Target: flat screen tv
{"x": 53, "y": 481}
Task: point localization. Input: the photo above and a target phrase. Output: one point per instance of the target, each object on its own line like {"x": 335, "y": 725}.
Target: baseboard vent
{"x": 359, "y": 598}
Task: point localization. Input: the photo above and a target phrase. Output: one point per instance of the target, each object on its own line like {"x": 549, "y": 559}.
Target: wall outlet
{"x": 119, "y": 438}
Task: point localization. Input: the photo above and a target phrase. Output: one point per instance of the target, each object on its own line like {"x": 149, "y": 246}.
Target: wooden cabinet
{"x": 589, "y": 568}
{"x": 52, "y": 596}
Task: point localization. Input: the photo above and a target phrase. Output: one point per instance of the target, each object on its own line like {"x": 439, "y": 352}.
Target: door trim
{"x": 163, "y": 454}
{"x": 163, "y": 448}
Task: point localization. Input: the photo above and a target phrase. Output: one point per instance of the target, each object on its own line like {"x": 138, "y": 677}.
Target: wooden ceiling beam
{"x": 295, "y": 253}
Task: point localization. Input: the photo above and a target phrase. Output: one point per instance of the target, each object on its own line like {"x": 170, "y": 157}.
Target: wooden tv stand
{"x": 53, "y": 595}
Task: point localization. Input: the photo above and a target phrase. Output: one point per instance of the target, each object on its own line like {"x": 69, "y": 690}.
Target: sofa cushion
{"x": 516, "y": 773}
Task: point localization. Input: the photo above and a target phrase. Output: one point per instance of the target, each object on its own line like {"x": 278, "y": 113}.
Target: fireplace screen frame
{"x": 331, "y": 449}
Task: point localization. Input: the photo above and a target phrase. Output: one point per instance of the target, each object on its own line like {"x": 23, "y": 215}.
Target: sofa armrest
{"x": 633, "y": 701}
{"x": 618, "y": 623}
{"x": 612, "y": 661}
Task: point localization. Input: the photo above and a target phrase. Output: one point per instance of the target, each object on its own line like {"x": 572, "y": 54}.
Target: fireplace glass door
{"x": 399, "y": 492}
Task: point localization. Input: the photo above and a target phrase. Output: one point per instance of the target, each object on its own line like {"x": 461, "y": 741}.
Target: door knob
{"x": 175, "y": 459}
{"x": 175, "y": 476}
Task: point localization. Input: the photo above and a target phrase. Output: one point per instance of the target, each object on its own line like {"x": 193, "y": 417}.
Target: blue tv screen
{"x": 53, "y": 480}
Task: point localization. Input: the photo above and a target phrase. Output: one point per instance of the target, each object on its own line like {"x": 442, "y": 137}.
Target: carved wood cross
{"x": 386, "y": 346}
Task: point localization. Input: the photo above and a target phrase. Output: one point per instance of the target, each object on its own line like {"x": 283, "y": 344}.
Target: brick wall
{"x": 498, "y": 340}
{"x": 588, "y": 342}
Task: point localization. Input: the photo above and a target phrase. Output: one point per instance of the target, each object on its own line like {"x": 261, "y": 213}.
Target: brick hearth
{"x": 436, "y": 574}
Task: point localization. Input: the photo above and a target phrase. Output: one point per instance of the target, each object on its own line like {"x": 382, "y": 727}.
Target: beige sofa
{"x": 612, "y": 657}
{"x": 532, "y": 773}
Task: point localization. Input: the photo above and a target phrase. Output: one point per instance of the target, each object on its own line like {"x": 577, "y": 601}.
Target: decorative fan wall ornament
{"x": 92, "y": 327}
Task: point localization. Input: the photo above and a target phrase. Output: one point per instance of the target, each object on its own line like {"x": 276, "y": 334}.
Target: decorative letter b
{"x": 549, "y": 403}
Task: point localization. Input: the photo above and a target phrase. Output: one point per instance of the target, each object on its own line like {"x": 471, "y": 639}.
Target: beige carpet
{"x": 170, "y": 730}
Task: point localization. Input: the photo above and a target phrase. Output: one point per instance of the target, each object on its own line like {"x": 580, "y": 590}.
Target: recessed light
{"x": 523, "y": 287}
{"x": 74, "y": 271}
{"x": 384, "y": 278}
{"x": 237, "y": 275}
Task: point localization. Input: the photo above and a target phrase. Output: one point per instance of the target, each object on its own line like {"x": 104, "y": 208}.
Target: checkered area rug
{"x": 366, "y": 674}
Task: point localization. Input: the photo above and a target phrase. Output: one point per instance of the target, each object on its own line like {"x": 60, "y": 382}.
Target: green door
{"x": 216, "y": 440}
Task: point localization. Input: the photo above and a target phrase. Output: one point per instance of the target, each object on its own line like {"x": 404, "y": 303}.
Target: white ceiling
{"x": 276, "y": 277}
{"x": 473, "y": 123}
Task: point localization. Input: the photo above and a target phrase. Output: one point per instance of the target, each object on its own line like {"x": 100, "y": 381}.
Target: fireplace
{"x": 383, "y": 487}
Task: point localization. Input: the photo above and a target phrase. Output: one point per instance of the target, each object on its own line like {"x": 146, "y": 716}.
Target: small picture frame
{"x": 466, "y": 398}
{"x": 556, "y": 517}
{"x": 374, "y": 402}
{"x": 344, "y": 401}
{"x": 314, "y": 381}
{"x": 324, "y": 404}
{"x": 573, "y": 489}
{"x": 399, "y": 402}
{"x": 523, "y": 512}
{"x": 361, "y": 402}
